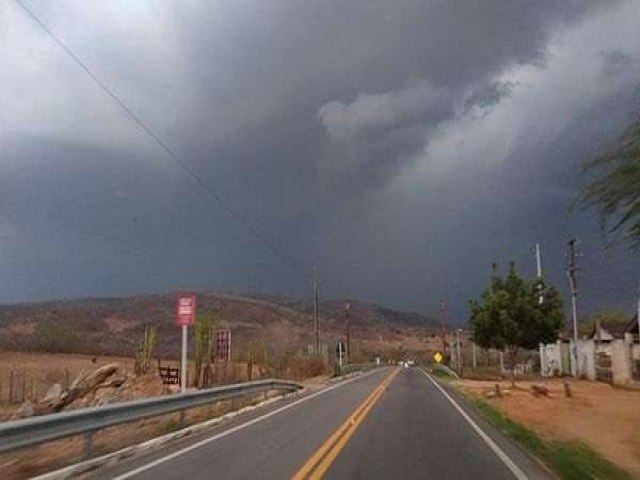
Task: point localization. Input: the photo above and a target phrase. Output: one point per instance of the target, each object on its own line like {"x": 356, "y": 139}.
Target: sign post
{"x": 183, "y": 362}
{"x": 340, "y": 351}
{"x": 185, "y": 316}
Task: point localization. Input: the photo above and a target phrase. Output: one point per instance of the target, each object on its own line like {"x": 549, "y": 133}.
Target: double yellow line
{"x": 322, "y": 459}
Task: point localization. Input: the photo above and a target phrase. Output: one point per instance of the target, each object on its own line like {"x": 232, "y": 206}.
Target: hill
{"x": 360, "y": 313}
{"x": 368, "y": 315}
{"x": 114, "y": 326}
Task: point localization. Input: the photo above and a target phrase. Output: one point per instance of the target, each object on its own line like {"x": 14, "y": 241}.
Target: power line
{"x": 170, "y": 153}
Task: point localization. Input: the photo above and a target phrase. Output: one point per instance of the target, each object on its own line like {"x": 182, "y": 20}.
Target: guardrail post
{"x": 182, "y": 417}
{"x": 88, "y": 445}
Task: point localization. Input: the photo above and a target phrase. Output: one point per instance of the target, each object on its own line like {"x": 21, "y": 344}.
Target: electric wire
{"x": 208, "y": 189}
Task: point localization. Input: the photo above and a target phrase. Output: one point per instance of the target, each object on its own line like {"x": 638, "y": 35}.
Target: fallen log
{"x": 84, "y": 384}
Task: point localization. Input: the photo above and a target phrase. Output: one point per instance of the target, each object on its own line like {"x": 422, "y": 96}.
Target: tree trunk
{"x": 250, "y": 369}
{"x": 198, "y": 370}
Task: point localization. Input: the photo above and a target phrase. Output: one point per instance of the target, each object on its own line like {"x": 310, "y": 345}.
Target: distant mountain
{"x": 363, "y": 313}
{"x": 114, "y": 326}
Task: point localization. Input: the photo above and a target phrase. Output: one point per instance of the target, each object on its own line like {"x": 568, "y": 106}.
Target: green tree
{"x": 615, "y": 187}
{"x": 509, "y": 314}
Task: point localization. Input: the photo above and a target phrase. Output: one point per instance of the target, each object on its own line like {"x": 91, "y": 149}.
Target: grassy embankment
{"x": 569, "y": 460}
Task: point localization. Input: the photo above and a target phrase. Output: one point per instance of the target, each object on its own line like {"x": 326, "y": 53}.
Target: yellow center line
{"x": 322, "y": 459}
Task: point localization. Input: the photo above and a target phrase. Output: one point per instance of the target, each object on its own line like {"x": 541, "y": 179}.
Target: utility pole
{"x": 347, "y": 307}
{"x": 475, "y": 361}
{"x": 315, "y": 308}
{"x": 442, "y": 328}
{"x": 539, "y": 272}
{"x": 638, "y": 314}
{"x": 573, "y": 284}
{"x": 458, "y": 353}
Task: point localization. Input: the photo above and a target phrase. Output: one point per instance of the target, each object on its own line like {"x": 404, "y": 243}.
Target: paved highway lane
{"x": 392, "y": 423}
{"x": 271, "y": 448}
{"x": 416, "y": 432}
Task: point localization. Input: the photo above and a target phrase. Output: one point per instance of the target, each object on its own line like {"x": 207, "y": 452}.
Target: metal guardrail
{"x": 35, "y": 430}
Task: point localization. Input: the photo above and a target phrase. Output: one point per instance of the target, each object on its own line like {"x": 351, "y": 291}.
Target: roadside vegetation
{"x": 443, "y": 374}
{"x": 514, "y": 313}
{"x": 569, "y": 460}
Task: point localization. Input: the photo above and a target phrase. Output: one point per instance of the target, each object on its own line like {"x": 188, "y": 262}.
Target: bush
{"x": 299, "y": 367}
{"x": 55, "y": 337}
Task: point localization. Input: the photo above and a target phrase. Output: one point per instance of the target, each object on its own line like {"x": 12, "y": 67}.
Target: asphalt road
{"x": 408, "y": 430}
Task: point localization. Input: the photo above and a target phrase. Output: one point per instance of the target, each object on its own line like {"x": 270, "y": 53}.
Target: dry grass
{"x": 44, "y": 369}
{"x": 41, "y": 370}
{"x": 605, "y": 418}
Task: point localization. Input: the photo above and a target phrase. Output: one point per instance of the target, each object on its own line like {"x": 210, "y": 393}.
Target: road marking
{"x": 237, "y": 428}
{"x": 321, "y": 460}
{"x": 517, "y": 472}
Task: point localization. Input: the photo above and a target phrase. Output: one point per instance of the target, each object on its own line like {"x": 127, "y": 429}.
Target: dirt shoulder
{"x": 604, "y": 417}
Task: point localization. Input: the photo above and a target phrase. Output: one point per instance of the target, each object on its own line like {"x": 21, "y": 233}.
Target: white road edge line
{"x": 237, "y": 428}
{"x": 517, "y": 472}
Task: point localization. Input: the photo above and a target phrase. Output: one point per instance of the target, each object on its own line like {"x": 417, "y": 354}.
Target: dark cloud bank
{"x": 402, "y": 146}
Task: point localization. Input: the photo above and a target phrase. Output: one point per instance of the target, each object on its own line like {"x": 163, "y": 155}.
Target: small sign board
{"x": 223, "y": 346}
{"x": 185, "y": 309}
{"x": 438, "y": 357}
{"x": 340, "y": 349}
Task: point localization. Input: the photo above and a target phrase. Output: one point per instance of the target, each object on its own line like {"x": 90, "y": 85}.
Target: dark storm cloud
{"x": 488, "y": 95}
{"x": 307, "y": 118}
{"x": 615, "y": 62}
{"x": 376, "y": 134}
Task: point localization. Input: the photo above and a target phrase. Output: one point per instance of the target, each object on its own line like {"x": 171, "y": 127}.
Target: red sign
{"x": 185, "y": 309}
{"x": 223, "y": 346}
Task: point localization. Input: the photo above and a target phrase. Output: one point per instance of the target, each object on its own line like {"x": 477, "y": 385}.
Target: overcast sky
{"x": 402, "y": 146}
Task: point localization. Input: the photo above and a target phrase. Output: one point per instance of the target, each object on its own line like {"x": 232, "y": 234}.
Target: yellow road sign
{"x": 438, "y": 357}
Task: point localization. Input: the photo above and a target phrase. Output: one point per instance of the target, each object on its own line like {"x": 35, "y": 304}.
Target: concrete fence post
{"x": 560, "y": 355}
{"x": 589, "y": 350}
{"x": 629, "y": 340}
{"x": 620, "y": 362}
